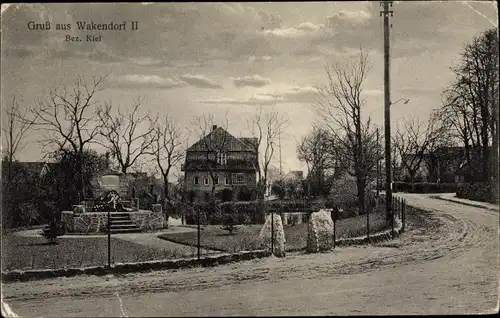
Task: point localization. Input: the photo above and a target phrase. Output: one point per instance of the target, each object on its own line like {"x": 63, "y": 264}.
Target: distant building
{"x": 294, "y": 175}
{"x": 445, "y": 164}
{"x": 35, "y": 167}
{"x": 233, "y": 161}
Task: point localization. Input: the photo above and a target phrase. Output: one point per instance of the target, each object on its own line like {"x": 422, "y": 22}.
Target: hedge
{"x": 477, "y": 191}
{"x": 242, "y": 212}
{"x": 424, "y": 187}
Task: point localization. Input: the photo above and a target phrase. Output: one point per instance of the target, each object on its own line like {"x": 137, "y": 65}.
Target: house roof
{"x": 295, "y": 174}
{"x": 220, "y": 139}
{"x": 33, "y": 166}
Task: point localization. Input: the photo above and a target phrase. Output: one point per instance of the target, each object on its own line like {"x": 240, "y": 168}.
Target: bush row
{"x": 242, "y": 212}
{"x": 251, "y": 212}
{"x": 477, "y": 191}
{"x": 424, "y": 187}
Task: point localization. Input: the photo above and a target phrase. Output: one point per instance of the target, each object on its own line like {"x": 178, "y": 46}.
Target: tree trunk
{"x": 361, "y": 195}
{"x": 167, "y": 206}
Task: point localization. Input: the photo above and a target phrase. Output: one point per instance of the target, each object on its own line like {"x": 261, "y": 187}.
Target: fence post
{"x": 403, "y": 216}
{"x": 199, "y": 234}
{"x": 109, "y": 238}
{"x": 272, "y": 232}
{"x": 368, "y": 221}
{"x": 400, "y": 201}
{"x": 392, "y": 218}
{"x": 335, "y": 226}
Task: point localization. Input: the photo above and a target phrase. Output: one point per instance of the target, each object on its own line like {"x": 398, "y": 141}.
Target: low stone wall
{"x": 148, "y": 220}
{"x": 90, "y": 223}
{"x": 97, "y": 222}
{"x": 121, "y": 268}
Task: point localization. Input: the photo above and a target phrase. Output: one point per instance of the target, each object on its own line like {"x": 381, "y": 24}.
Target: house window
{"x": 222, "y": 158}
{"x": 239, "y": 179}
{"x": 216, "y": 180}
{"x": 196, "y": 180}
{"x": 226, "y": 181}
{"x": 206, "y": 182}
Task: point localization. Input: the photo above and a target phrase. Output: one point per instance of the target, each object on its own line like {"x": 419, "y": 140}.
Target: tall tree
{"x": 127, "y": 135}
{"x": 315, "y": 150}
{"x": 266, "y": 128}
{"x": 469, "y": 103}
{"x": 67, "y": 118}
{"x": 15, "y": 126}
{"x": 339, "y": 106}
{"x": 414, "y": 142}
{"x": 167, "y": 148}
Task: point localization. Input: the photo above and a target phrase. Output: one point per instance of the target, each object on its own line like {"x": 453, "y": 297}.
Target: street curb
{"x": 124, "y": 268}
{"x": 465, "y": 203}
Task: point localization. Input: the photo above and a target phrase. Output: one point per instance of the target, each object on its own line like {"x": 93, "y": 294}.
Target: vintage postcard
{"x": 249, "y": 158}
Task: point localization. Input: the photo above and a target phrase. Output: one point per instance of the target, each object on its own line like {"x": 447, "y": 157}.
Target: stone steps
{"x": 121, "y": 223}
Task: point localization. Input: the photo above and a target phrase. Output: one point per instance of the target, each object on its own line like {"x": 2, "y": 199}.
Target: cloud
{"x": 253, "y": 58}
{"x": 304, "y": 29}
{"x": 145, "y": 81}
{"x": 292, "y": 94}
{"x": 200, "y": 81}
{"x": 345, "y": 18}
{"x": 251, "y": 80}
{"x": 308, "y": 26}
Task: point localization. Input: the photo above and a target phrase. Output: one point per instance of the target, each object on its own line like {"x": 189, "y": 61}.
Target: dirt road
{"x": 446, "y": 263}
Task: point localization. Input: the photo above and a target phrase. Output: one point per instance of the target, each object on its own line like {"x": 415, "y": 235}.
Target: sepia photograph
{"x": 170, "y": 159}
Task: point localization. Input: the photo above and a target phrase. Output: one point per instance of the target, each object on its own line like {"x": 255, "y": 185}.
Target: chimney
{"x": 214, "y": 127}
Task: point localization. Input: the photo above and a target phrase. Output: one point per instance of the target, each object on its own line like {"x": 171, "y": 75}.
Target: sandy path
{"x": 447, "y": 262}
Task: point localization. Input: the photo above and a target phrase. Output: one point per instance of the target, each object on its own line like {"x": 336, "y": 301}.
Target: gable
{"x": 220, "y": 140}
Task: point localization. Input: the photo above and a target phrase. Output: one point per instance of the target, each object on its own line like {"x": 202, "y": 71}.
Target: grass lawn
{"x": 246, "y": 237}
{"x": 27, "y": 253}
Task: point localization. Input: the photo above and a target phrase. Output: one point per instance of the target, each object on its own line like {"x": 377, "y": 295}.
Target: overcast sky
{"x": 189, "y": 59}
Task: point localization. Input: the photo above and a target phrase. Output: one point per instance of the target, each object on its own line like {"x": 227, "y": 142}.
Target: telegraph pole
{"x": 378, "y": 163}
{"x": 387, "y": 111}
{"x": 279, "y": 142}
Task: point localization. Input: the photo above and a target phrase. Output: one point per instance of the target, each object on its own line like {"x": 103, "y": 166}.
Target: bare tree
{"x": 122, "y": 133}
{"x": 266, "y": 129}
{"x": 167, "y": 149}
{"x": 339, "y": 105}
{"x": 66, "y": 118}
{"x": 315, "y": 150}
{"x": 469, "y": 105}
{"x": 16, "y": 125}
{"x": 416, "y": 141}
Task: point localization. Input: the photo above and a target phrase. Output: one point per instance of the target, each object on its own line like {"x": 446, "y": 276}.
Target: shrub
{"x": 245, "y": 194}
{"x": 424, "y": 187}
{"x": 319, "y": 232}
{"x": 229, "y": 218}
{"x": 55, "y": 229}
{"x": 477, "y": 191}
{"x": 225, "y": 195}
